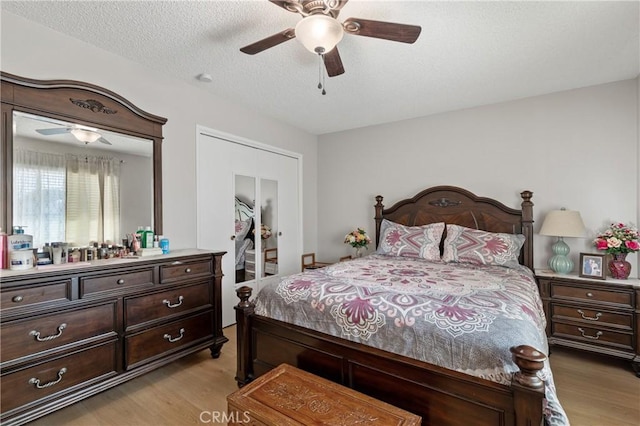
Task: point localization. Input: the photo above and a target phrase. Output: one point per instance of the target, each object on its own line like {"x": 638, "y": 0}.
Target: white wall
{"x": 576, "y": 149}
{"x": 32, "y": 50}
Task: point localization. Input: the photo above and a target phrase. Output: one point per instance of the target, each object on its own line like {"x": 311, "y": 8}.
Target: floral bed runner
{"x": 458, "y": 316}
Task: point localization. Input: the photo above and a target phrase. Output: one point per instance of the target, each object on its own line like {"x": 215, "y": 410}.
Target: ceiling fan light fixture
{"x": 319, "y": 33}
{"x": 85, "y": 135}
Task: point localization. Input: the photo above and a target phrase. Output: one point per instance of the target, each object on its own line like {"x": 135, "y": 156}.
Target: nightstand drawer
{"x": 593, "y": 335}
{"x": 595, "y": 317}
{"x": 591, "y": 295}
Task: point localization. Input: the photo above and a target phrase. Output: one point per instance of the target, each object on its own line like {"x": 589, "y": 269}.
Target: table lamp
{"x": 562, "y": 223}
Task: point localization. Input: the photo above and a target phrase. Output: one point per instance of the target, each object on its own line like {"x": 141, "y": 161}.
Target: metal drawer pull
{"x": 46, "y": 339}
{"x": 596, "y": 318}
{"x": 596, "y": 337}
{"x": 175, "y": 305}
{"x": 120, "y": 281}
{"x": 17, "y": 299}
{"x": 171, "y": 339}
{"x": 589, "y": 294}
{"x": 188, "y": 270}
{"x": 34, "y": 381}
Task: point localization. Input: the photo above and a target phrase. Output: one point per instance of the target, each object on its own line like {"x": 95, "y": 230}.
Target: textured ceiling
{"x": 469, "y": 53}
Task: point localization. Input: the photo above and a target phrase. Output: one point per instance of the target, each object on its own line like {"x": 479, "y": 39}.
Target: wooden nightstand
{"x": 592, "y": 315}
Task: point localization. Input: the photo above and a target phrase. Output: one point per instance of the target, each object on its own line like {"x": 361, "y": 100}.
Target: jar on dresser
{"x": 592, "y": 315}
{"x": 69, "y": 333}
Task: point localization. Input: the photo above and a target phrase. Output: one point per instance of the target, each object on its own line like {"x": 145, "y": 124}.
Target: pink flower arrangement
{"x": 618, "y": 238}
{"x": 357, "y": 238}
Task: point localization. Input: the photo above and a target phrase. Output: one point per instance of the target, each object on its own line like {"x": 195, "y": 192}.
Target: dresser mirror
{"x": 63, "y": 139}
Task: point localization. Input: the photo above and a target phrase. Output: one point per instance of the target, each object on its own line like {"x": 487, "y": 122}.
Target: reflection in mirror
{"x": 245, "y": 194}
{"x": 79, "y": 184}
{"x": 269, "y": 228}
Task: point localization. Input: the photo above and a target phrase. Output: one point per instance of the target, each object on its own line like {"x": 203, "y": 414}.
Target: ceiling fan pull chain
{"x": 324, "y": 84}
{"x": 319, "y": 71}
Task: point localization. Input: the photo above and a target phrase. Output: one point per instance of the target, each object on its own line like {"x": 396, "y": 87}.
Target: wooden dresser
{"x": 601, "y": 316}
{"x": 69, "y": 333}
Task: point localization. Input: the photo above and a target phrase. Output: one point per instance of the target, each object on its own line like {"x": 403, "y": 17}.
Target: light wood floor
{"x": 595, "y": 391}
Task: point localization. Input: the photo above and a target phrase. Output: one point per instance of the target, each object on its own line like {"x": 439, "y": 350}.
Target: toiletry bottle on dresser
{"x": 140, "y": 235}
{"x": 3, "y": 250}
{"x": 148, "y": 238}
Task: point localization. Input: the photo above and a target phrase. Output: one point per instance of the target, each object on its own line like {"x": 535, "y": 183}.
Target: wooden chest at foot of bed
{"x": 289, "y": 396}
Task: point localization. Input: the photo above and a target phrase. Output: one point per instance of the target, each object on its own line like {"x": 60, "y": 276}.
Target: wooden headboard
{"x": 458, "y": 206}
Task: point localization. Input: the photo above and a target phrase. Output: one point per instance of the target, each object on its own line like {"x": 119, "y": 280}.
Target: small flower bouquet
{"x": 618, "y": 238}
{"x": 265, "y": 232}
{"x": 357, "y": 238}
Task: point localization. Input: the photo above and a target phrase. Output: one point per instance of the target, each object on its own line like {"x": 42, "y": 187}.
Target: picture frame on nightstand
{"x": 592, "y": 265}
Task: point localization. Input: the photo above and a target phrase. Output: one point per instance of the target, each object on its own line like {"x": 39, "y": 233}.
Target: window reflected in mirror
{"x": 78, "y": 184}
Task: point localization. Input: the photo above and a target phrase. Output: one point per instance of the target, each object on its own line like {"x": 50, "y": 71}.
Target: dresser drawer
{"x": 57, "y": 291}
{"x": 185, "y": 270}
{"x": 249, "y": 266}
{"x": 139, "y": 310}
{"x": 591, "y": 295}
{"x": 166, "y": 338}
{"x": 43, "y": 380}
{"x": 595, "y": 317}
{"x": 39, "y": 334}
{"x": 115, "y": 281}
{"x": 593, "y": 335}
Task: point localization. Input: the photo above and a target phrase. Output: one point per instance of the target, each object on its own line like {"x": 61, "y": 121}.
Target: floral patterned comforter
{"x": 458, "y": 316}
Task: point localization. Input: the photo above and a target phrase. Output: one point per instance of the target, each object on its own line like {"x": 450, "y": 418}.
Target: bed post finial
{"x": 530, "y": 361}
{"x": 379, "y": 207}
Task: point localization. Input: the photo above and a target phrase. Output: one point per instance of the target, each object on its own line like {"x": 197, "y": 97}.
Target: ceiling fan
{"x": 83, "y": 134}
{"x": 320, "y": 31}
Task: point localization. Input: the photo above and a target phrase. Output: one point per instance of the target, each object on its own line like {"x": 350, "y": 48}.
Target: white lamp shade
{"x": 563, "y": 223}
{"x": 85, "y": 135}
{"x": 319, "y": 33}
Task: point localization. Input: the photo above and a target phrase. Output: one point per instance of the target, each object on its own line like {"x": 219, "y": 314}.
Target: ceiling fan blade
{"x": 268, "y": 42}
{"x": 333, "y": 63}
{"x": 53, "y": 131}
{"x": 103, "y": 140}
{"x": 385, "y": 30}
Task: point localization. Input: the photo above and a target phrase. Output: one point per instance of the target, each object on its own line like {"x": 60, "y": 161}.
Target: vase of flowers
{"x": 265, "y": 232}
{"x": 359, "y": 240}
{"x": 618, "y": 240}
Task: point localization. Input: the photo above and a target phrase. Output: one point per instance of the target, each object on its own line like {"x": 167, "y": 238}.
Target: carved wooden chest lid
{"x": 289, "y": 396}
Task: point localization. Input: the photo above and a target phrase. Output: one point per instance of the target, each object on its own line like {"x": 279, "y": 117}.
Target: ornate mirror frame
{"x": 80, "y": 103}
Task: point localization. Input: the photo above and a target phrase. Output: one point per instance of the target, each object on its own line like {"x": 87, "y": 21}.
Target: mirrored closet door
{"x": 249, "y": 206}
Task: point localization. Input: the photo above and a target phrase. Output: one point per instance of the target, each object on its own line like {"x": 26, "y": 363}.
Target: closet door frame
{"x": 202, "y": 131}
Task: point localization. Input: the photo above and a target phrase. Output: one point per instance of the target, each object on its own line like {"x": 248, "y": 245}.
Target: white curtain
{"x": 93, "y": 199}
{"x": 39, "y": 195}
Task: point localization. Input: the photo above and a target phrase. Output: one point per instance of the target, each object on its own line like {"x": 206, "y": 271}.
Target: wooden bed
{"x": 440, "y": 396}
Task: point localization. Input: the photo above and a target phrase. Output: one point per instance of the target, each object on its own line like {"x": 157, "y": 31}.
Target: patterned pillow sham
{"x": 242, "y": 228}
{"x": 410, "y": 241}
{"x": 466, "y": 245}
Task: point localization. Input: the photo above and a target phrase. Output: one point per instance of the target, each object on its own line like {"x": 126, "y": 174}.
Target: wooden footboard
{"x": 440, "y": 396}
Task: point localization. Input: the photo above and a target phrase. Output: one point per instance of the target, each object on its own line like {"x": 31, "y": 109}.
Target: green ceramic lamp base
{"x": 560, "y": 262}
